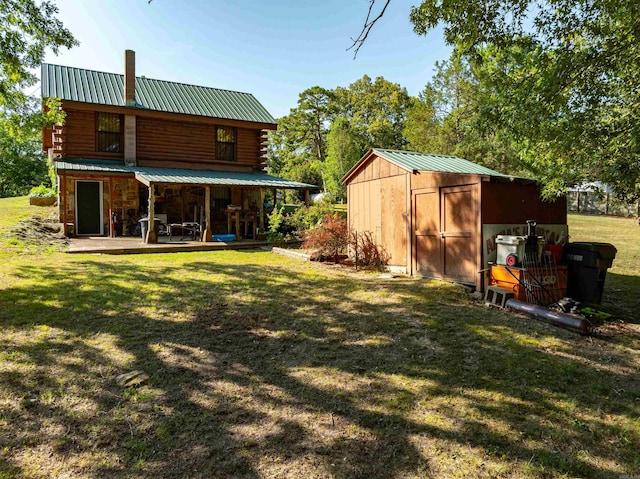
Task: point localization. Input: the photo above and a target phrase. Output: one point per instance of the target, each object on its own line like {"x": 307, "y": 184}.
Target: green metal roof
{"x": 181, "y": 176}
{"x": 88, "y": 86}
{"x": 410, "y": 161}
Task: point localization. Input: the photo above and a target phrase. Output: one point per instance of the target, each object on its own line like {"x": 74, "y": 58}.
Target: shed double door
{"x": 445, "y": 233}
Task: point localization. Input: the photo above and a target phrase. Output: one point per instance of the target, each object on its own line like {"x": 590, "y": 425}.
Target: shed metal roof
{"x": 181, "y": 176}
{"x": 410, "y": 160}
{"x": 89, "y": 86}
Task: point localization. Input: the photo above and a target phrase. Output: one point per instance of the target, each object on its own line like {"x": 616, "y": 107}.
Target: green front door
{"x": 89, "y": 207}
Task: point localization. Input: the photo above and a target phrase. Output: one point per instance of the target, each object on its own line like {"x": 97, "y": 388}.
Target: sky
{"x": 274, "y": 49}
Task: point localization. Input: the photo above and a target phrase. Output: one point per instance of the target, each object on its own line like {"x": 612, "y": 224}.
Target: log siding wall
{"x": 79, "y": 136}
{"x": 164, "y": 142}
{"x": 181, "y": 142}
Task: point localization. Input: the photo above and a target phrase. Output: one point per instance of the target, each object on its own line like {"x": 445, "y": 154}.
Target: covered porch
{"x": 160, "y": 205}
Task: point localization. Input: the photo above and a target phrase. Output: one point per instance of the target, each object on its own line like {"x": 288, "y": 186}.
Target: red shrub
{"x": 330, "y": 238}
{"x": 367, "y": 252}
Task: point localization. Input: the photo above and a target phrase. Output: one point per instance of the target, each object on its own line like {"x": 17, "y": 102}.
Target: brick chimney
{"x": 129, "y": 78}
{"x": 130, "y": 101}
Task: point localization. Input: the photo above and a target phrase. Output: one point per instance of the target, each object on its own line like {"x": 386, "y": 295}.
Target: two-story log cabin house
{"x": 132, "y": 146}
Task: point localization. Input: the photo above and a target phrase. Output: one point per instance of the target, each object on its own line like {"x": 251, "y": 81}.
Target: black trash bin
{"x": 587, "y": 264}
{"x": 144, "y": 226}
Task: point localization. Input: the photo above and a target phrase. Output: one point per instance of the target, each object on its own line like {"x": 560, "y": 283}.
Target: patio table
{"x": 192, "y": 229}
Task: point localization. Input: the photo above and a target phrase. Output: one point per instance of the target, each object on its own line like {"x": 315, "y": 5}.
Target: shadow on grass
{"x": 621, "y": 297}
{"x": 260, "y": 371}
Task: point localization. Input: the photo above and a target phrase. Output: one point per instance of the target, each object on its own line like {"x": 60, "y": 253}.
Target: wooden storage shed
{"x": 437, "y": 216}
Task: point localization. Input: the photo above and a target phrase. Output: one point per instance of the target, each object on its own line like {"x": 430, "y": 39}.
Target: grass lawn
{"x": 622, "y": 286}
{"x": 262, "y": 366}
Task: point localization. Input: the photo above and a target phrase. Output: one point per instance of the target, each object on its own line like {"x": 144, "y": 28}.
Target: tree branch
{"x": 366, "y": 28}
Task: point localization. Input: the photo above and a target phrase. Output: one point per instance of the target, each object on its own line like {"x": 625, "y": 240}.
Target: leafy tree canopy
{"x": 370, "y": 112}
{"x": 344, "y": 151}
{"x": 376, "y": 110}
{"x": 27, "y": 29}
{"x": 447, "y": 118}
{"x": 22, "y": 165}
{"x": 562, "y": 75}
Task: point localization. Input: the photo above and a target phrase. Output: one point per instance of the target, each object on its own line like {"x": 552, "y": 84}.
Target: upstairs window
{"x": 109, "y": 132}
{"x": 226, "y": 143}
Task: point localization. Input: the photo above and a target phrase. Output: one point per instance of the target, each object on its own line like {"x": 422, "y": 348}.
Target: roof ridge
{"x": 425, "y": 154}
{"x": 197, "y": 86}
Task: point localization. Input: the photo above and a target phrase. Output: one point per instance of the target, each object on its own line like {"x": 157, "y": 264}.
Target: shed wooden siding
{"x": 438, "y": 216}
{"x": 378, "y": 203}
{"x": 514, "y": 203}
{"x": 437, "y": 179}
{"x": 376, "y": 168}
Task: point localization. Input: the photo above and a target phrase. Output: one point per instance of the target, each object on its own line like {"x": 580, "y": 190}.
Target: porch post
{"x": 238, "y": 232}
{"x": 307, "y": 200}
{"x": 261, "y": 210}
{"x": 112, "y": 226}
{"x": 62, "y": 204}
{"x": 206, "y": 235}
{"x": 151, "y": 232}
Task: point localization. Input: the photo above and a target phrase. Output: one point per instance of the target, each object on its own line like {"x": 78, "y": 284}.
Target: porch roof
{"x": 181, "y": 176}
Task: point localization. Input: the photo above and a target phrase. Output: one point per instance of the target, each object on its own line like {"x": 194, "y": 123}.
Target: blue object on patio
{"x": 224, "y": 238}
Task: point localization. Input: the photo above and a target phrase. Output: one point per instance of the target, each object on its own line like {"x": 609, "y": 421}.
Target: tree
{"x": 298, "y": 148}
{"x": 422, "y": 128}
{"x": 22, "y": 165}
{"x": 27, "y": 29}
{"x": 372, "y": 114}
{"x": 376, "y": 111}
{"x": 563, "y": 77}
{"x": 316, "y": 108}
{"x": 446, "y": 119}
{"x": 343, "y": 152}
{"x": 442, "y": 117}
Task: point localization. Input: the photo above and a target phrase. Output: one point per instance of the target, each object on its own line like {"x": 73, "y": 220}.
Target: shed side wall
{"x": 513, "y": 203}
{"x": 377, "y": 196}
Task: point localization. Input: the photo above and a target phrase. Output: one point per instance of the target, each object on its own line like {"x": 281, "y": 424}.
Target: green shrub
{"x": 290, "y": 222}
{"x": 275, "y": 229}
{"x": 42, "y": 192}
